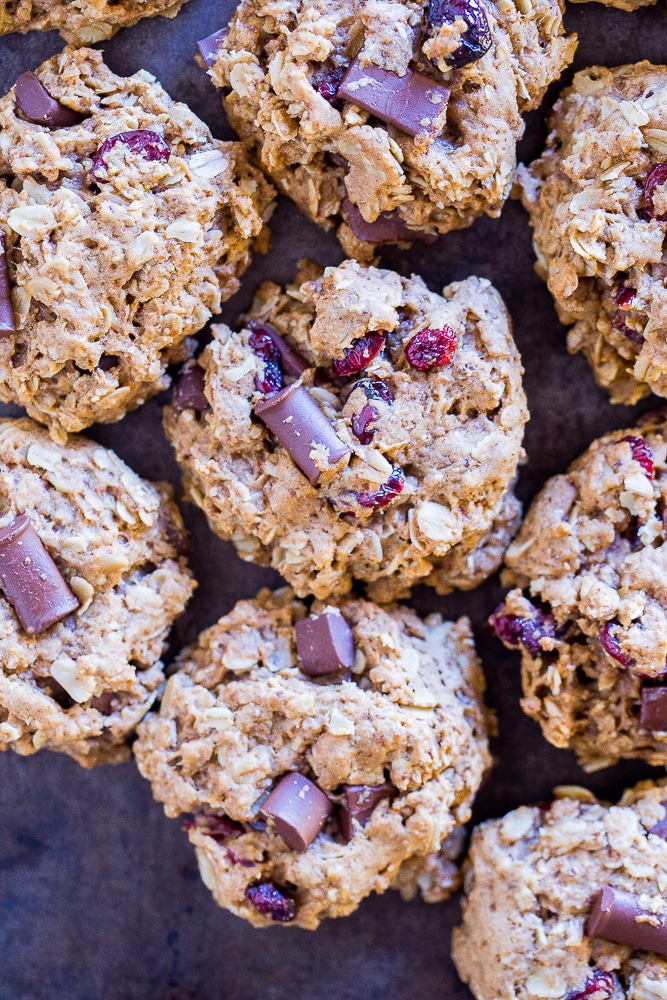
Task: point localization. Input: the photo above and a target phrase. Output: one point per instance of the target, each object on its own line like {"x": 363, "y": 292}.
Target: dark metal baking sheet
{"x": 99, "y": 893}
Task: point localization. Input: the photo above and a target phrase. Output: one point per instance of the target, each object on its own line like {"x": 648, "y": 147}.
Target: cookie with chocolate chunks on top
{"x": 588, "y": 605}
{"x": 123, "y": 226}
{"x": 567, "y": 899}
{"x": 393, "y": 121}
{"x": 306, "y": 792}
{"x": 81, "y": 23}
{"x": 386, "y": 454}
{"x": 91, "y": 580}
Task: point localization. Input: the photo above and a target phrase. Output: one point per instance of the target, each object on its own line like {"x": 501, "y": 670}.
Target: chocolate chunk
{"x": 298, "y": 810}
{"x": 324, "y": 643}
{"x": 30, "y": 579}
{"x": 292, "y": 362}
{"x": 389, "y": 227}
{"x": 36, "y": 104}
{"x": 412, "y": 103}
{"x": 7, "y": 321}
{"x": 653, "y": 714}
{"x": 614, "y": 917}
{"x": 210, "y": 46}
{"x": 660, "y": 828}
{"x": 299, "y": 424}
{"x": 361, "y": 800}
{"x": 189, "y": 389}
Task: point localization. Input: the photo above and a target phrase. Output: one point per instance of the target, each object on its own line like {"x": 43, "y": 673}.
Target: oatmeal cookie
{"x": 90, "y": 582}
{"x": 123, "y": 224}
{"x": 80, "y": 22}
{"x": 392, "y": 120}
{"x": 319, "y": 751}
{"x": 567, "y": 900}
{"x": 590, "y": 611}
{"x": 359, "y": 426}
{"x": 598, "y": 207}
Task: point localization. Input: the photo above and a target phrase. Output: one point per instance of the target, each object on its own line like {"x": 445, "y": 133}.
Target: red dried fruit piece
{"x": 600, "y": 986}
{"x": 143, "y": 142}
{"x": 656, "y": 177}
{"x": 642, "y": 453}
{"x": 475, "y": 41}
{"x": 431, "y": 348}
{"x": 375, "y": 388}
{"x": 359, "y": 355}
{"x": 327, "y": 81}
{"x": 612, "y": 646}
{"x": 269, "y": 900}
{"x": 236, "y": 860}
{"x": 385, "y": 494}
{"x": 360, "y": 423}
{"x": 220, "y": 828}
{"x": 618, "y": 323}
{"x": 528, "y": 632}
{"x": 625, "y": 297}
{"x": 264, "y": 347}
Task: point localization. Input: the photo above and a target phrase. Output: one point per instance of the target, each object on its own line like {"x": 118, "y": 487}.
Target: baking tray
{"x": 99, "y": 893}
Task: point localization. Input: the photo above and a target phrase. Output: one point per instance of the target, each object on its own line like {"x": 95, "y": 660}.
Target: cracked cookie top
{"x": 123, "y": 224}
{"x": 359, "y": 426}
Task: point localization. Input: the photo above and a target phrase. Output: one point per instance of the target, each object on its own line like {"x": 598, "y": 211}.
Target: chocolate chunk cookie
{"x": 359, "y": 426}
{"x": 324, "y": 754}
{"x": 590, "y": 616}
{"x": 123, "y": 224}
{"x": 80, "y": 22}
{"x": 568, "y": 900}
{"x": 597, "y": 199}
{"x": 90, "y": 583}
{"x": 394, "y": 121}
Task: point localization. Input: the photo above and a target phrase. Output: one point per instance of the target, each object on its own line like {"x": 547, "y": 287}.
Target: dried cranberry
{"x": 360, "y": 354}
{"x": 327, "y": 81}
{"x": 360, "y": 423}
{"x": 270, "y": 901}
{"x": 431, "y": 348}
{"x": 475, "y": 41}
{"x": 141, "y": 141}
{"x": 618, "y": 323}
{"x": 264, "y": 347}
{"x": 599, "y": 986}
{"x": 625, "y": 297}
{"x": 220, "y": 828}
{"x": 642, "y": 453}
{"x": 611, "y": 645}
{"x": 656, "y": 177}
{"x": 236, "y": 860}
{"x": 385, "y": 494}
{"x": 375, "y": 388}
{"x": 528, "y": 632}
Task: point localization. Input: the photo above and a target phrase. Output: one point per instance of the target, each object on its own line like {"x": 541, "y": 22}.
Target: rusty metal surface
{"x": 99, "y": 893}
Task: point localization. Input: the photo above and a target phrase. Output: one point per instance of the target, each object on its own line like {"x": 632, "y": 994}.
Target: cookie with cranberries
{"x": 81, "y": 23}
{"x": 123, "y": 225}
{"x": 566, "y": 900}
{"x": 597, "y": 198}
{"x": 320, "y": 754}
{"x": 359, "y": 426}
{"x": 392, "y": 121}
{"x": 589, "y": 606}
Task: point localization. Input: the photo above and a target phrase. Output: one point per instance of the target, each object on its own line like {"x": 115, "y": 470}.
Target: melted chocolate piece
{"x": 189, "y": 389}
{"x": 299, "y": 425}
{"x": 614, "y": 917}
{"x": 36, "y": 104}
{"x": 412, "y": 103}
{"x": 7, "y": 321}
{"x": 360, "y": 801}
{"x": 653, "y": 714}
{"x": 297, "y": 809}
{"x": 30, "y": 579}
{"x": 324, "y": 643}
{"x": 209, "y": 47}
{"x": 389, "y": 227}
